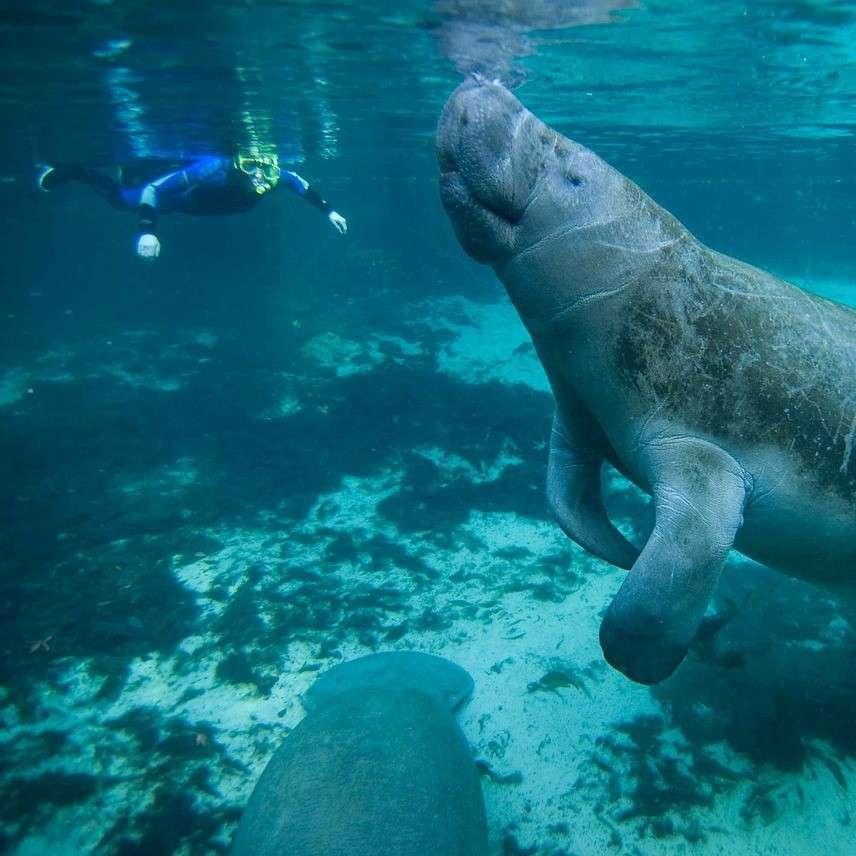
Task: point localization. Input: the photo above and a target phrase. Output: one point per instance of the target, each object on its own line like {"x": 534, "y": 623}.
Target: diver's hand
{"x": 338, "y": 221}
{"x": 148, "y": 247}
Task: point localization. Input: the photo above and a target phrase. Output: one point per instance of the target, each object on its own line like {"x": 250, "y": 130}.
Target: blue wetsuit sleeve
{"x": 302, "y": 188}
{"x": 158, "y": 194}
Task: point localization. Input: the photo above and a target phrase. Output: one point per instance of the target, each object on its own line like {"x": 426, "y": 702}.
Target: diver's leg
{"x": 105, "y": 186}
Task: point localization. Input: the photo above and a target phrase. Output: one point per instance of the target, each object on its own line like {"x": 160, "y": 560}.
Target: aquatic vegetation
{"x": 20, "y": 796}
{"x": 657, "y": 786}
{"x": 761, "y": 803}
{"x": 546, "y": 578}
{"x": 513, "y": 778}
{"x": 172, "y": 820}
{"x": 563, "y": 675}
{"x": 511, "y": 847}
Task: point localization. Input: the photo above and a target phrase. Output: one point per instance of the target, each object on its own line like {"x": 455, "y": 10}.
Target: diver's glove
{"x": 148, "y": 247}
{"x": 338, "y": 221}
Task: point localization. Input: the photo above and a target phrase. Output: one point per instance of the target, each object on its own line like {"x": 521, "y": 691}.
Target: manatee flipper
{"x": 699, "y": 509}
{"x": 574, "y": 496}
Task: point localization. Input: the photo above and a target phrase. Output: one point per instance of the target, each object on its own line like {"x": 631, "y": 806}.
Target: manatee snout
{"x": 482, "y": 186}
{"x": 476, "y": 130}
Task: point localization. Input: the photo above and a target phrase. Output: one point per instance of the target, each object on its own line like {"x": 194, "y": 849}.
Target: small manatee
{"x": 378, "y": 767}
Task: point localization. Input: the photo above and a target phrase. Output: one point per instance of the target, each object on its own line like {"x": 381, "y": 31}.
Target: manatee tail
{"x": 441, "y": 679}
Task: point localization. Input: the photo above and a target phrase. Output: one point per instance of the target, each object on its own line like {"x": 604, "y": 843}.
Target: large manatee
{"x": 378, "y": 767}
{"x": 726, "y": 394}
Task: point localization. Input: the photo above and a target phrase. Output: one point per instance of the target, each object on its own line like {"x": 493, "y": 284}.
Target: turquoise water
{"x": 278, "y": 448}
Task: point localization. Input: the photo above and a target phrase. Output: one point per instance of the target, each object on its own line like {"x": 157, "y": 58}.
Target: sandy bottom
{"x": 748, "y": 749}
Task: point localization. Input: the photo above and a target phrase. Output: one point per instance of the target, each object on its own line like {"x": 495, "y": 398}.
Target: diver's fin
{"x": 699, "y": 509}
{"x": 574, "y": 496}
{"x": 46, "y": 180}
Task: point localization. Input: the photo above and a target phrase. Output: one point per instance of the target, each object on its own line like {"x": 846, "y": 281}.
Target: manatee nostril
{"x": 465, "y": 120}
{"x": 575, "y": 180}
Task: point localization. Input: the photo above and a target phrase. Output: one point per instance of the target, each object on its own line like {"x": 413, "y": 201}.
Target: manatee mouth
{"x": 506, "y": 216}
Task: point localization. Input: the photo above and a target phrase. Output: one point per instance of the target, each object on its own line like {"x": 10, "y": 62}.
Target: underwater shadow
{"x": 777, "y": 678}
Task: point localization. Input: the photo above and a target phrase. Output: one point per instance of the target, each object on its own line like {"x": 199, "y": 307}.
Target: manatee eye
{"x": 573, "y": 179}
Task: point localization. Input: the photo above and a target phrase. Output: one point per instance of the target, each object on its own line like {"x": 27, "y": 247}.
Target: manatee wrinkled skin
{"x": 378, "y": 767}
{"x": 724, "y": 393}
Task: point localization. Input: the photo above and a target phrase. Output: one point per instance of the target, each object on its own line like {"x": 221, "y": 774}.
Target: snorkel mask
{"x": 262, "y": 170}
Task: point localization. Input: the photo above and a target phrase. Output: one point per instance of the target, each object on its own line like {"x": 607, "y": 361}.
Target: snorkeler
{"x": 208, "y": 185}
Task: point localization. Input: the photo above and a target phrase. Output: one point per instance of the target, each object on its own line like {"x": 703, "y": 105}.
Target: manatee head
{"x": 393, "y": 672}
{"x": 505, "y": 176}
{"x": 512, "y": 187}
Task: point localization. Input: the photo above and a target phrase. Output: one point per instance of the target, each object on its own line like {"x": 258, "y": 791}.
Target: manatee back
{"x": 379, "y": 767}
{"x": 394, "y": 671}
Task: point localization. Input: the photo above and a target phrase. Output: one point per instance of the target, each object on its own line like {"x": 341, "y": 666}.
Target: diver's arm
{"x": 206, "y": 170}
{"x": 302, "y": 188}
{"x": 148, "y": 244}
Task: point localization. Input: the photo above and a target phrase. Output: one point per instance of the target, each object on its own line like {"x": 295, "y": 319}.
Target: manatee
{"x": 726, "y": 394}
{"x": 378, "y": 767}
